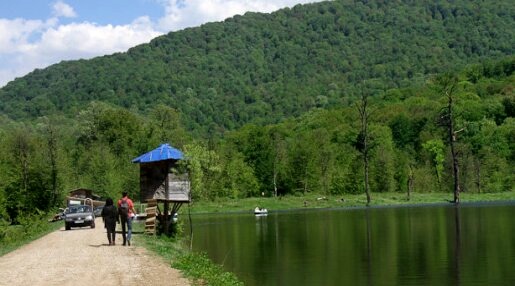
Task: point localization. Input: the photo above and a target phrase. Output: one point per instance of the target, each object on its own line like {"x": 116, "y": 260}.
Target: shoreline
{"x": 416, "y": 205}
{"x": 317, "y": 201}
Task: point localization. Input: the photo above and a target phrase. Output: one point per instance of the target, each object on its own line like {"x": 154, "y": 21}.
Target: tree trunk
{"x": 305, "y": 180}
{"x": 410, "y": 182}
{"x": 52, "y": 152}
{"x": 452, "y": 139}
{"x": 478, "y": 174}
{"x": 279, "y": 156}
{"x": 367, "y": 187}
{"x": 275, "y": 180}
{"x": 364, "y": 114}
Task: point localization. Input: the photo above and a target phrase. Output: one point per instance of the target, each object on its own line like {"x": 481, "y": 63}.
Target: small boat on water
{"x": 260, "y": 212}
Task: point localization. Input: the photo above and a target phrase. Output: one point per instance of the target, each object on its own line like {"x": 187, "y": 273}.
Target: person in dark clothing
{"x": 110, "y": 217}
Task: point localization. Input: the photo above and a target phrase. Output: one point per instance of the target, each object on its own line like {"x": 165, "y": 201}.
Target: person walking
{"x": 127, "y": 212}
{"x": 110, "y": 217}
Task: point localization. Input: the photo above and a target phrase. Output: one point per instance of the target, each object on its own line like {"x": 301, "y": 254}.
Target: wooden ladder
{"x": 151, "y": 219}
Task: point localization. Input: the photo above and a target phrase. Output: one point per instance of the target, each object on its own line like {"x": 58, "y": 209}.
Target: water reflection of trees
{"x": 457, "y": 246}
{"x": 403, "y": 246}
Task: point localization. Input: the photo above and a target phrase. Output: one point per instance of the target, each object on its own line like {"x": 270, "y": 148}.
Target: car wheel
{"x": 93, "y": 225}
{"x": 67, "y": 226}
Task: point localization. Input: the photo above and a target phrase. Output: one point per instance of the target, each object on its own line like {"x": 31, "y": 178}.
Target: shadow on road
{"x": 99, "y": 245}
{"x": 77, "y": 228}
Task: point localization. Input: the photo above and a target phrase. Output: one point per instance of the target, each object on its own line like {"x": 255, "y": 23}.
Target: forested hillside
{"x": 263, "y": 68}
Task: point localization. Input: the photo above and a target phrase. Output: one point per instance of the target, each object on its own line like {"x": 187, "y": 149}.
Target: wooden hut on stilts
{"x": 160, "y": 182}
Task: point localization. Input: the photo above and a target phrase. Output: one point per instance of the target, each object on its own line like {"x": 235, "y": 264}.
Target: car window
{"x": 78, "y": 209}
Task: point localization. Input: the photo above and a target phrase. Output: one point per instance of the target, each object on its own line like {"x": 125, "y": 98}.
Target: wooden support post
{"x": 167, "y": 197}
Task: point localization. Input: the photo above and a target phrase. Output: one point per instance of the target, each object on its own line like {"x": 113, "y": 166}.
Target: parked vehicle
{"x": 98, "y": 211}
{"x": 79, "y": 216}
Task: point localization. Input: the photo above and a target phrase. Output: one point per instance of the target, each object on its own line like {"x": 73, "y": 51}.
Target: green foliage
{"x": 237, "y": 178}
{"x": 435, "y": 147}
{"x": 203, "y": 166}
{"x": 30, "y": 226}
{"x": 199, "y": 266}
{"x": 195, "y": 266}
{"x": 382, "y": 169}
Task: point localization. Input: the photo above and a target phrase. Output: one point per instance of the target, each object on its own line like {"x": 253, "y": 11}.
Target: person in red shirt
{"x": 127, "y": 213}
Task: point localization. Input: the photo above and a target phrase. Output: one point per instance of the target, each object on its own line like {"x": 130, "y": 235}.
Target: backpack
{"x": 124, "y": 208}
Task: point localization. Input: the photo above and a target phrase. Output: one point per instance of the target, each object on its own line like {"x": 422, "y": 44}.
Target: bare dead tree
{"x": 364, "y": 114}
{"x": 452, "y": 141}
{"x": 447, "y": 85}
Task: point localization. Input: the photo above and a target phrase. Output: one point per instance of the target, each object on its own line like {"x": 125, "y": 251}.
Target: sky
{"x": 38, "y": 33}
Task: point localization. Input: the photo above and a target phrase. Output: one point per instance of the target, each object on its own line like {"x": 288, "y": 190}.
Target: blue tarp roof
{"x": 161, "y": 153}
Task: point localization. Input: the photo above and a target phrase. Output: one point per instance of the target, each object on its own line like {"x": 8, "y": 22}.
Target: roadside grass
{"x": 30, "y": 228}
{"x": 195, "y": 266}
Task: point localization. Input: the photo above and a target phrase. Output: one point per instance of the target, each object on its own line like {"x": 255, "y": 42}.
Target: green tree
{"x": 237, "y": 178}
{"x": 29, "y": 188}
{"x": 204, "y": 167}
{"x": 279, "y": 153}
{"x": 50, "y": 133}
{"x": 382, "y": 160}
{"x": 435, "y": 148}
{"x": 166, "y": 126}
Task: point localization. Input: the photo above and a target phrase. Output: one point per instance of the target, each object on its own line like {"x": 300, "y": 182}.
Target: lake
{"x": 423, "y": 245}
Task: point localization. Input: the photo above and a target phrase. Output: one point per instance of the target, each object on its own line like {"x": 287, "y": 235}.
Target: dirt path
{"x": 81, "y": 256}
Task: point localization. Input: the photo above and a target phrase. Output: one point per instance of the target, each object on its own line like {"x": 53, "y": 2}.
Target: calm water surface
{"x": 468, "y": 245}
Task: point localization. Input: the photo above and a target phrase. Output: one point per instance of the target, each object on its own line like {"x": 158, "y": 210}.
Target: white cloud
{"x": 54, "y": 43}
{"x": 180, "y": 14}
{"x": 15, "y": 34}
{"x": 61, "y": 9}
{"x": 89, "y": 39}
{"x": 29, "y": 44}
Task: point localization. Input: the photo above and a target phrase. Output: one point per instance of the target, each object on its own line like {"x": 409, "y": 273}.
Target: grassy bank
{"x": 327, "y": 201}
{"x": 195, "y": 266}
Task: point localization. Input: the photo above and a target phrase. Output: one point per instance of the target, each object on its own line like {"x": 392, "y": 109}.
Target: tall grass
{"x": 195, "y": 266}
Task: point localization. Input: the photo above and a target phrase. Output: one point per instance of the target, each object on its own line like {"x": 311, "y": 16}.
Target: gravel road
{"x": 81, "y": 256}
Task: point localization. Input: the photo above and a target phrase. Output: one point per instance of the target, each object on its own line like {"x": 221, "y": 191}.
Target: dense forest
{"x": 262, "y": 68}
{"x": 270, "y": 103}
